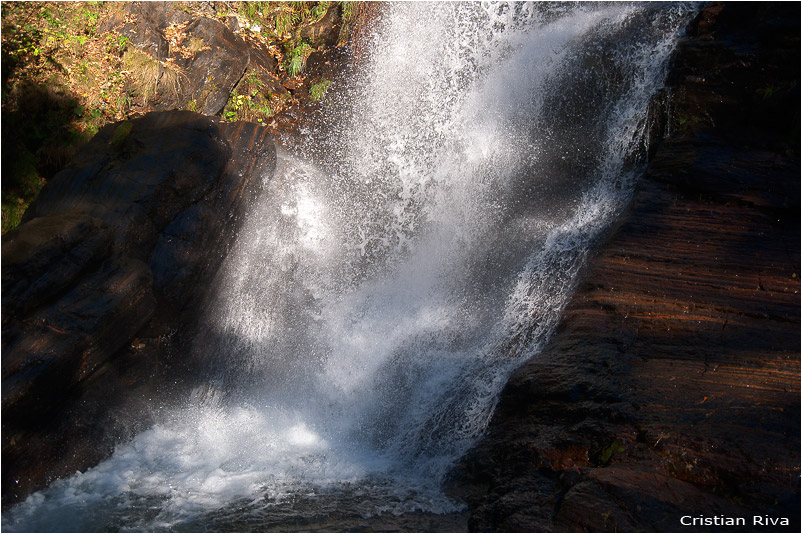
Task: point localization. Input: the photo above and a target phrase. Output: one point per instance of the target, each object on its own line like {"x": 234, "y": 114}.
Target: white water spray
{"x": 395, "y": 272}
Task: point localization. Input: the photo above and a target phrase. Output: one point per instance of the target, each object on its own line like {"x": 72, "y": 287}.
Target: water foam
{"x": 399, "y": 266}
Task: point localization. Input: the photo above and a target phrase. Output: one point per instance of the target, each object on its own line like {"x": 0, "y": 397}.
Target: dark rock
{"x": 326, "y": 31}
{"x": 232, "y": 23}
{"x": 165, "y": 163}
{"x": 144, "y": 23}
{"x": 52, "y": 350}
{"x": 327, "y": 63}
{"x": 44, "y": 258}
{"x": 105, "y": 275}
{"x": 209, "y": 74}
{"x": 632, "y": 498}
{"x": 261, "y": 62}
{"x": 183, "y": 247}
{"x": 676, "y": 365}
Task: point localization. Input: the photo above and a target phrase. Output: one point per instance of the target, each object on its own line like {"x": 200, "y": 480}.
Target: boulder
{"x": 105, "y": 275}
{"x": 137, "y": 175}
{"x": 199, "y": 59}
{"x": 211, "y": 59}
{"x": 326, "y": 31}
{"x": 44, "y": 258}
{"x": 49, "y": 352}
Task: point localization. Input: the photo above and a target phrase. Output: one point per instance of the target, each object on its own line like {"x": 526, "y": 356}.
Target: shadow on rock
{"x": 104, "y": 276}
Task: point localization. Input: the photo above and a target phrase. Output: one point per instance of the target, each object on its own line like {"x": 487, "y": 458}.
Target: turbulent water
{"x": 400, "y": 264}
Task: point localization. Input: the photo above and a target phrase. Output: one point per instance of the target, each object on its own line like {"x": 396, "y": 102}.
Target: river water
{"x": 404, "y": 259}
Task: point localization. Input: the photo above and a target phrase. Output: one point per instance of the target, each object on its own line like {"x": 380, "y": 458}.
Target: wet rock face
{"x": 105, "y": 274}
{"x": 60, "y": 345}
{"x": 671, "y": 387}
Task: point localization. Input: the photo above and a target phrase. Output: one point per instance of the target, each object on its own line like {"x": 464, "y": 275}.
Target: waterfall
{"x": 406, "y": 257}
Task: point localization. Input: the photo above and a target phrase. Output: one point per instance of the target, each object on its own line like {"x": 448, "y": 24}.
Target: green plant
{"x": 607, "y": 453}
{"x": 347, "y": 9}
{"x": 120, "y": 134}
{"x": 766, "y": 92}
{"x": 284, "y": 22}
{"x": 319, "y": 10}
{"x": 296, "y": 59}
{"x": 256, "y": 13}
{"x": 248, "y": 102}
{"x": 261, "y": 108}
{"x": 318, "y": 90}
{"x": 25, "y": 185}
{"x": 302, "y": 8}
{"x": 233, "y": 105}
{"x": 253, "y": 79}
{"x": 117, "y": 44}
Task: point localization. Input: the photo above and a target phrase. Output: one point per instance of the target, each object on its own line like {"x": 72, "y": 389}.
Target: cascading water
{"x": 396, "y": 270}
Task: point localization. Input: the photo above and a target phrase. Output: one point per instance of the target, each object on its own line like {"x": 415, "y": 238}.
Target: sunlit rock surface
{"x": 206, "y": 57}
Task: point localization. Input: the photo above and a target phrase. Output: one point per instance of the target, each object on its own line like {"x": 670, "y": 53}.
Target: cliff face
{"x": 671, "y": 387}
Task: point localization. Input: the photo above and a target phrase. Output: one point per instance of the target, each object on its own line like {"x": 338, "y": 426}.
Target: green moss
{"x": 120, "y": 134}
{"x": 608, "y": 452}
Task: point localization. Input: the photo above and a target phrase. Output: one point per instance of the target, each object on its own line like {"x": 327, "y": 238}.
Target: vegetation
{"x": 318, "y": 90}
{"x": 281, "y": 20}
{"x": 63, "y": 78}
{"x": 608, "y": 452}
{"x": 280, "y": 25}
{"x": 255, "y": 104}
{"x": 60, "y": 84}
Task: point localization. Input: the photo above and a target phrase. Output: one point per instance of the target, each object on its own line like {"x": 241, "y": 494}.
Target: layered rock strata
{"x": 670, "y": 392}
